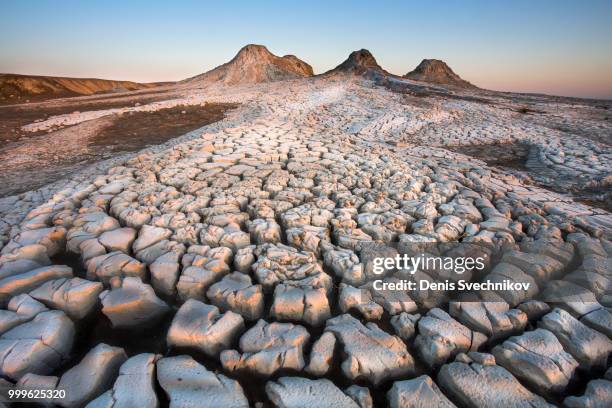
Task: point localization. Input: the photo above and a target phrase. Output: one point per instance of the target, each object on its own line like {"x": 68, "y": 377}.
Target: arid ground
{"x": 211, "y": 242}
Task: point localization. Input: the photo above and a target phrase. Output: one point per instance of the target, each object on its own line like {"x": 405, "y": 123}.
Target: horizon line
{"x": 315, "y": 74}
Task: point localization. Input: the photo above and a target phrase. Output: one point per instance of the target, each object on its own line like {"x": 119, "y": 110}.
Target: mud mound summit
{"x": 437, "y": 72}
{"x": 255, "y": 64}
{"x": 14, "y": 87}
{"x": 360, "y": 62}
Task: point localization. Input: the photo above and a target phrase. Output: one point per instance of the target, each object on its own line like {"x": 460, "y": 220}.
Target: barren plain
{"x": 230, "y": 266}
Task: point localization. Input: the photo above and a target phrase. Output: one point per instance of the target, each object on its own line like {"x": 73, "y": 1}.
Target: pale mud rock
{"x": 449, "y": 228}
{"x": 37, "y": 382}
{"x": 201, "y": 327}
{"x": 321, "y": 355}
{"x": 576, "y": 299}
{"x": 244, "y": 259}
{"x": 589, "y": 347}
{"x": 21, "y": 308}
{"x": 202, "y": 266}
{"x": 537, "y": 358}
{"x": 76, "y": 297}
{"x": 23, "y": 259}
{"x": 266, "y": 208}
{"x": 607, "y": 246}
{"x": 230, "y": 236}
{"x": 598, "y": 394}
{"x": 264, "y": 231}
{"x": 308, "y": 238}
{"x": 42, "y": 216}
{"x": 128, "y": 212}
{"x": 353, "y": 239}
{"x": 420, "y": 392}
{"x": 307, "y": 214}
{"x": 165, "y": 272}
{"x": 494, "y": 319}
{"x": 149, "y": 236}
{"x": 302, "y": 301}
{"x": 370, "y": 352}
{"x": 268, "y": 347}
{"x": 540, "y": 267}
{"x": 114, "y": 265}
{"x": 393, "y": 302}
{"x": 382, "y": 226}
{"x": 130, "y": 303}
{"x": 27, "y": 281}
{"x": 93, "y": 375}
{"x": 504, "y": 271}
{"x": 120, "y": 239}
{"x": 586, "y": 245}
{"x": 91, "y": 248}
{"x": 361, "y": 395}
{"x": 178, "y": 221}
{"x": 189, "y": 384}
{"x": 440, "y": 338}
{"x": 295, "y": 392}
{"x": 187, "y": 235}
{"x": 557, "y": 249}
{"x": 359, "y": 300}
{"x": 52, "y": 238}
{"x": 152, "y": 244}
{"x": 594, "y": 274}
{"x": 411, "y": 244}
{"x": 404, "y": 325}
{"x": 424, "y": 227}
{"x": 89, "y": 225}
{"x": 482, "y": 384}
{"x": 345, "y": 264}
{"x": 534, "y": 309}
{"x": 462, "y": 207}
{"x": 224, "y": 212}
{"x": 599, "y": 285}
{"x": 279, "y": 263}
{"x": 38, "y": 346}
{"x": 134, "y": 387}
{"x": 236, "y": 292}
{"x": 600, "y": 320}
{"x": 596, "y": 264}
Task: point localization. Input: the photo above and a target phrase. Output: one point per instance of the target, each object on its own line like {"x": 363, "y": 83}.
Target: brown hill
{"x": 255, "y": 64}
{"x": 437, "y": 72}
{"x": 360, "y": 62}
{"x": 16, "y": 88}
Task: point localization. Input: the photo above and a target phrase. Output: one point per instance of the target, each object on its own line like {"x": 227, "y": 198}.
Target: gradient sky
{"x": 557, "y": 47}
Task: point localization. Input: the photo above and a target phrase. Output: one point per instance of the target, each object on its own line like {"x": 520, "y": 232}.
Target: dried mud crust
{"x": 519, "y": 158}
{"x": 43, "y": 158}
{"x": 507, "y": 155}
{"x": 13, "y": 117}
{"x": 226, "y": 266}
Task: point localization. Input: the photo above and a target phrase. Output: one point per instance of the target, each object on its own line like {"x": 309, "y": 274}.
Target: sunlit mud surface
{"x": 230, "y": 266}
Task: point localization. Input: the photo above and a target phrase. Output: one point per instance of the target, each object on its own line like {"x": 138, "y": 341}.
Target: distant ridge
{"x": 17, "y": 88}
{"x": 437, "y": 72}
{"x": 254, "y": 64}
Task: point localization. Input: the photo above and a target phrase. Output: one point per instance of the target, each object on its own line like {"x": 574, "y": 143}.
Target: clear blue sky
{"x": 559, "y": 47}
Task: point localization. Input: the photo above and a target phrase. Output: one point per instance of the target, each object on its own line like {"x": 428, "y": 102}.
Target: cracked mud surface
{"x": 36, "y": 160}
{"x": 229, "y": 267}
